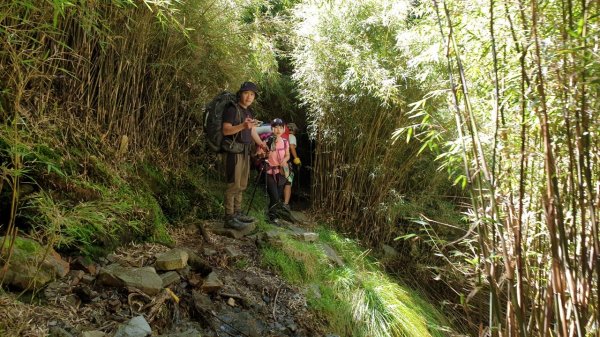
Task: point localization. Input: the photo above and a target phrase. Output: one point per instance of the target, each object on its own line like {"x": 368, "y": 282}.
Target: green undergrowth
{"x": 182, "y": 193}
{"x": 93, "y": 216}
{"x": 73, "y": 200}
{"x": 89, "y": 202}
{"x": 358, "y": 298}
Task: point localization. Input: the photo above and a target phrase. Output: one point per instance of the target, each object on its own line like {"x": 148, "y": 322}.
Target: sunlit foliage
{"x": 355, "y": 76}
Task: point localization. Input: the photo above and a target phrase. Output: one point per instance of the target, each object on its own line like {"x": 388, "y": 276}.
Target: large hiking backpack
{"x": 213, "y": 119}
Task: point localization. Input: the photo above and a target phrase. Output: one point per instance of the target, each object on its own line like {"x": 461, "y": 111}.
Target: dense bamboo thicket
{"x": 505, "y": 94}
{"x": 357, "y": 86}
{"x": 132, "y": 73}
{"x": 535, "y": 179}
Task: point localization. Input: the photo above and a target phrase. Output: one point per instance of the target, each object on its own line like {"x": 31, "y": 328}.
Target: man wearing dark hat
{"x": 239, "y": 125}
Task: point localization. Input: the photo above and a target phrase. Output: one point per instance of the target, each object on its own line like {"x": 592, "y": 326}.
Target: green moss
{"x": 181, "y": 193}
{"x": 157, "y": 229}
{"x": 27, "y": 246}
{"x": 101, "y": 173}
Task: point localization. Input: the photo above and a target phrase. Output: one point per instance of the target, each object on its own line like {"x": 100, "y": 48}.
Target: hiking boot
{"x": 233, "y": 223}
{"x": 243, "y": 218}
{"x": 286, "y": 206}
{"x": 280, "y": 211}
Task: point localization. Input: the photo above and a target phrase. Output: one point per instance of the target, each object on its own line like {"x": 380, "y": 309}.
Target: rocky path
{"x": 198, "y": 287}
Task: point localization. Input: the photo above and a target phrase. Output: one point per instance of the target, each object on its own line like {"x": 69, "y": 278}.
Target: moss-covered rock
{"x": 30, "y": 265}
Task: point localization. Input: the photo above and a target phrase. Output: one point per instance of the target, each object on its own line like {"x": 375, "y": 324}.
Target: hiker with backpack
{"x": 287, "y": 189}
{"x": 239, "y": 132}
{"x": 278, "y": 169}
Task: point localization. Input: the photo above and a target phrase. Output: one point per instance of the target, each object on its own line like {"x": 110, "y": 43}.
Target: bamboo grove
{"x": 512, "y": 116}
{"x": 132, "y": 73}
{"x": 536, "y": 202}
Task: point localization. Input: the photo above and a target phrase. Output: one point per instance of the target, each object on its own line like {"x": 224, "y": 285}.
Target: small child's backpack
{"x": 213, "y": 119}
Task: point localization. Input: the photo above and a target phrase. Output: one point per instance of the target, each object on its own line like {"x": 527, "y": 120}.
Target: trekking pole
{"x": 297, "y": 177}
{"x": 262, "y": 168}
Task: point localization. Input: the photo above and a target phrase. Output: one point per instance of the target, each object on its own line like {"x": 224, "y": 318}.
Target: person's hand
{"x": 262, "y": 148}
{"x": 297, "y": 161}
{"x": 260, "y": 153}
{"x": 249, "y": 123}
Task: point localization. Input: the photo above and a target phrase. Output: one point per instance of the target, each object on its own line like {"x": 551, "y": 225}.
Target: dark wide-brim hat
{"x": 249, "y": 86}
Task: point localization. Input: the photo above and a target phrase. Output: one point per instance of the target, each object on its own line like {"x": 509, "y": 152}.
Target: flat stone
{"x": 313, "y": 291}
{"x": 307, "y": 237}
{"x": 172, "y": 260}
{"x": 170, "y": 278}
{"x": 218, "y": 228}
{"x": 81, "y": 263}
{"x": 202, "y": 302}
{"x": 144, "y": 279}
{"x": 300, "y": 217}
{"x": 332, "y": 255}
{"x": 75, "y": 276}
{"x": 209, "y": 251}
{"x": 136, "y": 327}
{"x": 274, "y": 237}
{"x": 240, "y": 323}
{"x": 88, "y": 279}
{"x": 232, "y": 252}
{"x": 211, "y": 283}
{"x": 283, "y": 223}
{"x": 94, "y": 333}
{"x": 197, "y": 263}
{"x": 311, "y": 237}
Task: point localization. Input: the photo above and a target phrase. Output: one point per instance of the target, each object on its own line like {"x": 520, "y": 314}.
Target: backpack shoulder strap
{"x": 270, "y": 142}
{"x": 239, "y": 119}
{"x": 239, "y": 114}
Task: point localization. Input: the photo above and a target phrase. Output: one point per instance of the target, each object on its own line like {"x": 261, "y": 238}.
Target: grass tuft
{"x": 357, "y": 299}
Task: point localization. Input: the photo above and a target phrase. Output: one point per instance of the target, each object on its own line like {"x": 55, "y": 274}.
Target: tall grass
{"x": 356, "y": 299}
